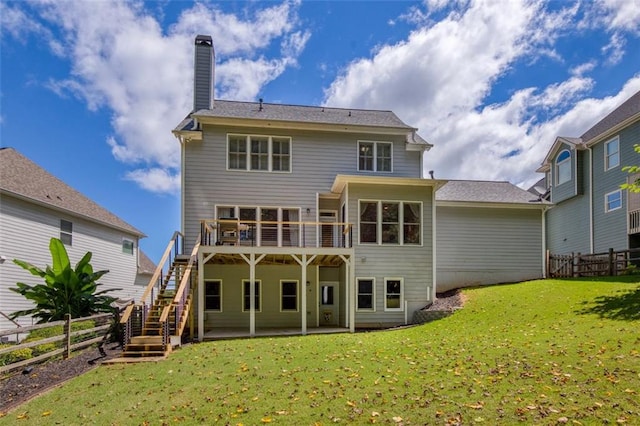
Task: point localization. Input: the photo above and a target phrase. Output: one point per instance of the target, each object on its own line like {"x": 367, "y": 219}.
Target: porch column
{"x": 200, "y": 310}
{"x": 252, "y": 295}
{"x": 304, "y": 263}
{"x": 350, "y": 303}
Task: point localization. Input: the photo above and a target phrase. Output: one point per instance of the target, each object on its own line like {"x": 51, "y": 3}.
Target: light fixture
{"x": 308, "y": 210}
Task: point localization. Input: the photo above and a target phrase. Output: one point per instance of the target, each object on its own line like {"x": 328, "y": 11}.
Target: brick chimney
{"x": 203, "y": 71}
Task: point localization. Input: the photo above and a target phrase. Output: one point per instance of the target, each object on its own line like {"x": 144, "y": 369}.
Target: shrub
{"x": 16, "y": 356}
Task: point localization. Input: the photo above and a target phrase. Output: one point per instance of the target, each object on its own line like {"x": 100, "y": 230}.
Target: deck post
{"x": 252, "y": 295}
{"x": 303, "y": 290}
{"x": 200, "y": 297}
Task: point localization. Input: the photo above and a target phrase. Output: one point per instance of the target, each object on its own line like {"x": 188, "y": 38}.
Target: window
{"x": 563, "y": 167}
{"x": 265, "y": 226}
{"x": 612, "y": 153}
{"x": 375, "y": 156}
{"x": 66, "y": 232}
{"x": 246, "y": 296}
{"x": 390, "y": 222}
{"x": 289, "y": 296}
{"x": 259, "y": 153}
{"x": 393, "y": 294}
{"x": 127, "y": 246}
{"x": 365, "y": 294}
{"x": 613, "y": 201}
{"x": 213, "y": 295}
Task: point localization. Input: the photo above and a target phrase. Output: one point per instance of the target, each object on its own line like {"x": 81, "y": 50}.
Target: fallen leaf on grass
{"x": 46, "y": 413}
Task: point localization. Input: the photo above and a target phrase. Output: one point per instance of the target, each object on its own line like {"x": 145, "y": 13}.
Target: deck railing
{"x": 232, "y": 231}
{"x": 634, "y": 221}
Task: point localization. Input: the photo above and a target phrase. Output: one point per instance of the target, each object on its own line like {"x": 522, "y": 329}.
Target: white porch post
{"x": 304, "y": 264}
{"x": 252, "y": 295}
{"x": 351, "y": 284}
{"x": 200, "y": 298}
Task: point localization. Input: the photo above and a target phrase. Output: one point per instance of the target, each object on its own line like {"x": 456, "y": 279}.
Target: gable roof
{"x": 471, "y": 191}
{"x": 281, "y": 115}
{"x": 627, "y": 110}
{"x": 24, "y": 179}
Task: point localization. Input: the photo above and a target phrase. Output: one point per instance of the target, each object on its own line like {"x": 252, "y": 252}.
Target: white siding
{"x": 26, "y": 230}
{"x": 477, "y": 246}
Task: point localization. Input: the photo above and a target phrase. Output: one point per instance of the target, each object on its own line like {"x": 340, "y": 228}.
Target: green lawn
{"x": 540, "y": 352}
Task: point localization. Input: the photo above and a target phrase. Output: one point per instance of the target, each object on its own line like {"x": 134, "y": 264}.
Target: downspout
{"x": 544, "y": 242}
{"x": 433, "y": 242}
{"x": 591, "y": 231}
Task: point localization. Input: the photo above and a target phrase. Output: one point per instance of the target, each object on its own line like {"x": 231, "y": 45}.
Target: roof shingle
{"x": 485, "y": 192}
{"x": 21, "y": 177}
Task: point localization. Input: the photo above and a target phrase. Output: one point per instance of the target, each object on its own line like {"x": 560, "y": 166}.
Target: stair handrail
{"x": 172, "y": 246}
{"x": 183, "y": 290}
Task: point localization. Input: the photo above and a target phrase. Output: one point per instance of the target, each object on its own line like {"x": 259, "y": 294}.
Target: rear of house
{"x": 303, "y": 216}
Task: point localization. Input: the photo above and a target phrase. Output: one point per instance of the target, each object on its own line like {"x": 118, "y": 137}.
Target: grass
{"x": 540, "y": 352}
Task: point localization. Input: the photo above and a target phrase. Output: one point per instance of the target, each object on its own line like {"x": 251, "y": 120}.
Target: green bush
{"x": 15, "y": 356}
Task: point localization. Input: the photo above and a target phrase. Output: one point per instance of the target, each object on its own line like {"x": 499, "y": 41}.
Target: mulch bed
{"x": 17, "y": 388}
{"x": 447, "y": 301}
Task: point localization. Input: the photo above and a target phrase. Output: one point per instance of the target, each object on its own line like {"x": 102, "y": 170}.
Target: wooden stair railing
{"x": 167, "y": 316}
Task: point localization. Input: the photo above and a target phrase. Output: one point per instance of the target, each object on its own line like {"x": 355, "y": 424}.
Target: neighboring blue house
{"x": 583, "y": 175}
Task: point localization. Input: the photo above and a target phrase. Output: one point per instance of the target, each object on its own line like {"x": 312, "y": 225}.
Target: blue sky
{"x": 91, "y": 90}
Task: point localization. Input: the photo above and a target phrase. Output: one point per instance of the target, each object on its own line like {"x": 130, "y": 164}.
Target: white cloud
{"x": 619, "y": 14}
{"x": 614, "y": 51}
{"x": 122, "y": 60}
{"x": 440, "y": 77}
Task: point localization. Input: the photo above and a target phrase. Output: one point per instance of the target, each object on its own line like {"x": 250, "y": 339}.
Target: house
{"x": 488, "y": 233}
{"x": 309, "y": 217}
{"x": 591, "y": 213}
{"x": 305, "y": 216}
{"x": 36, "y": 206}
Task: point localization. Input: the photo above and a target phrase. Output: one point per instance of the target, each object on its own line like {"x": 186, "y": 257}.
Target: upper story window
{"x": 259, "y": 153}
{"x": 127, "y": 246}
{"x": 612, "y": 153}
{"x": 375, "y": 156}
{"x": 263, "y": 226}
{"x": 390, "y": 222}
{"x": 66, "y": 232}
{"x": 563, "y": 167}
{"x": 613, "y": 201}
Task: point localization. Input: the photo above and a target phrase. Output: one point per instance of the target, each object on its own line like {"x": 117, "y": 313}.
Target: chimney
{"x": 203, "y": 82}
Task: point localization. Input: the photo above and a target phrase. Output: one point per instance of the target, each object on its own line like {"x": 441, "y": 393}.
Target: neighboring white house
{"x": 36, "y": 206}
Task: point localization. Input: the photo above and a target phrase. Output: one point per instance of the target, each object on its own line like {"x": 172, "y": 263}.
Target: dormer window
{"x": 563, "y": 167}
{"x": 375, "y": 156}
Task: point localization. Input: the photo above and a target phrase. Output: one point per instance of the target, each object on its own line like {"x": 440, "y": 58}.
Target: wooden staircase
{"x": 161, "y": 325}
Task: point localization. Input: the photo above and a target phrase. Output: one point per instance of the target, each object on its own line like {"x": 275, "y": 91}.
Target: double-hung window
{"x": 259, "y": 153}
{"x": 365, "y": 300}
{"x": 613, "y": 200}
{"x": 289, "y": 296}
{"x": 66, "y": 232}
{"x": 375, "y": 156}
{"x": 563, "y": 167}
{"x": 246, "y": 296}
{"x": 393, "y": 294}
{"x": 390, "y": 222}
{"x": 612, "y": 153}
{"x": 213, "y": 295}
{"x": 127, "y": 246}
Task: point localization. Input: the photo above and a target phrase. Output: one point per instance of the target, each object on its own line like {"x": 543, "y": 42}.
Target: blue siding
{"x": 567, "y": 189}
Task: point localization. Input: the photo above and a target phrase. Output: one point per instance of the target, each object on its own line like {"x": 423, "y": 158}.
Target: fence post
{"x": 611, "y": 263}
{"x": 67, "y": 332}
{"x": 575, "y": 270}
{"x": 546, "y": 264}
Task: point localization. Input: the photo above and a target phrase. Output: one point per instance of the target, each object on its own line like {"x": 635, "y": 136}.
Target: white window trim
{"x": 259, "y": 293}
{"x": 401, "y": 308}
{"x": 606, "y": 201}
{"x": 606, "y": 157}
{"x": 375, "y": 156}
{"x": 297, "y": 309}
{"x": 400, "y": 223}
{"x": 270, "y": 153}
{"x": 373, "y": 295}
{"x": 69, "y": 233}
{"x": 221, "y": 299}
{"x": 558, "y": 163}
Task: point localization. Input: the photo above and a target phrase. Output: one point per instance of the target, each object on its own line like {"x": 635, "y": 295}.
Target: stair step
{"x": 143, "y": 353}
{"x": 146, "y": 340}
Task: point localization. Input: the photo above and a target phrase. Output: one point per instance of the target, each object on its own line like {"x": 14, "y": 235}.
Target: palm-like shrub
{"x": 66, "y": 290}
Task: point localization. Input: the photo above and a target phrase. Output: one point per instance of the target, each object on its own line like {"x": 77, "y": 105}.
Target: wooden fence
{"x": 68, "y": 338}
{"x": 609, "y": 263}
